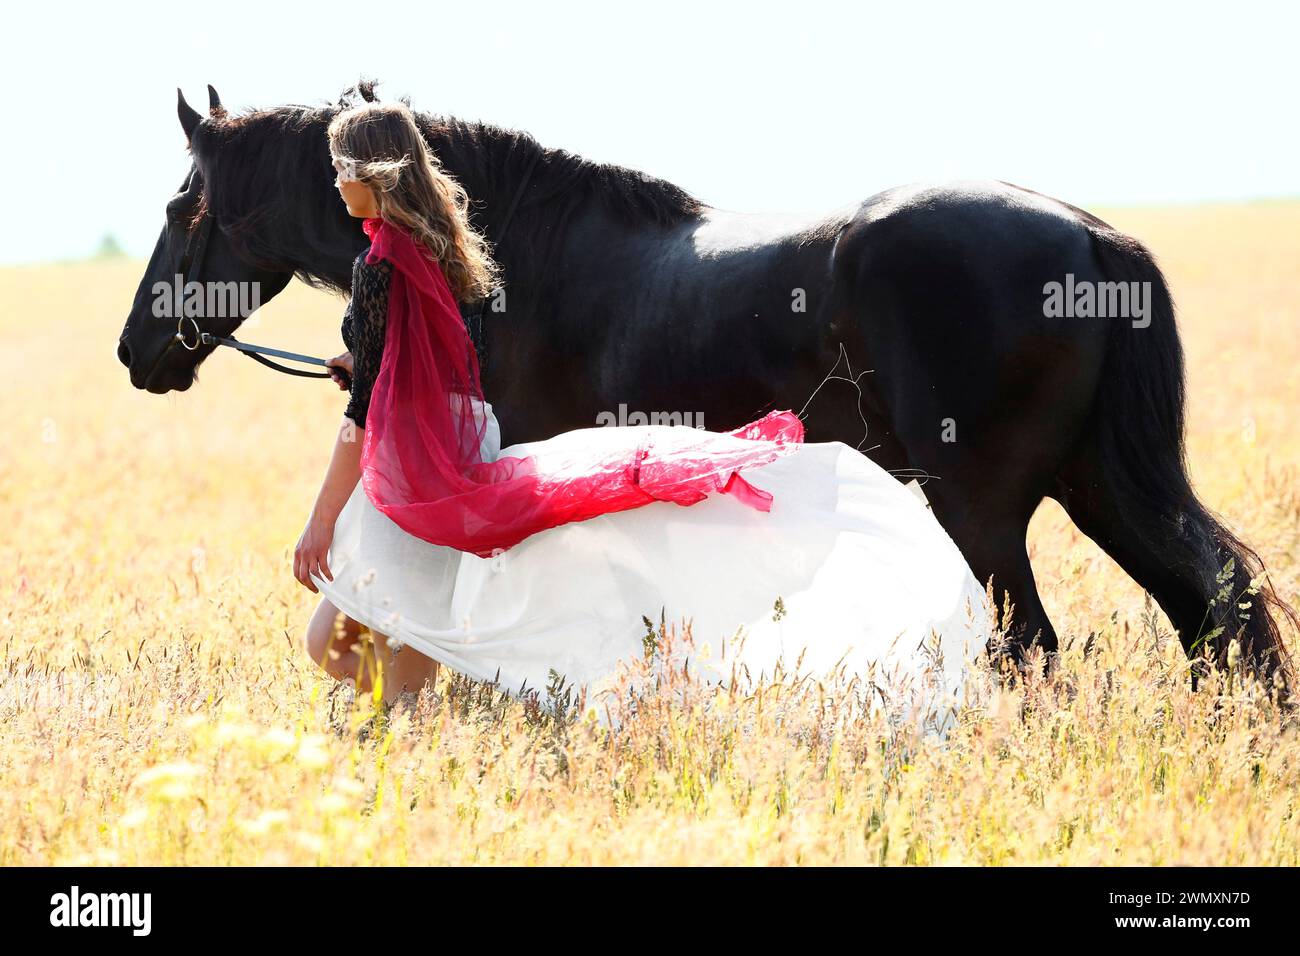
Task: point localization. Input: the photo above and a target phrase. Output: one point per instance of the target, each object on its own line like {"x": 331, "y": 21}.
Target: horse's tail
{"x": 1207, "y": 579}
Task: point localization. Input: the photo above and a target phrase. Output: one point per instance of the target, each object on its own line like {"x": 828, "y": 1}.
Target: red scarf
{"x": 421, "y": 461}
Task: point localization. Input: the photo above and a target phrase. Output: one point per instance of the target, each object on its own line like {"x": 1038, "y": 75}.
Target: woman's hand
{"x": 344, "y": 362}
{"x": 312, "y": 554}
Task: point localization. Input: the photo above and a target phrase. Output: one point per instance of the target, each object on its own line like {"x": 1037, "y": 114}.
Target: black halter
{"x": 190, "y": 266}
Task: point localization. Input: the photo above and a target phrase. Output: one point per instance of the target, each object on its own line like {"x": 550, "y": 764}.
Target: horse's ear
{"x": 215, "y": 108}
{"x": 189, "y": 118}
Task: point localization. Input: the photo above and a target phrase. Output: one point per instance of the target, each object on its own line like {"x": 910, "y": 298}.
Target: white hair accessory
{"x": 347, "y": 170}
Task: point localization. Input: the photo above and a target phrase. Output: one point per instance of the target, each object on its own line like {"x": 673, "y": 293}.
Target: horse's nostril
{"x": 124, "y": 353}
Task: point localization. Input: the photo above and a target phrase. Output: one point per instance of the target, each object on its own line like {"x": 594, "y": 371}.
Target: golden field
{"x": 155, "y": 707}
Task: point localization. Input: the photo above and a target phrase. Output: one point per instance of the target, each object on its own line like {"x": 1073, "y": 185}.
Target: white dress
{"x": 863, "y": 570}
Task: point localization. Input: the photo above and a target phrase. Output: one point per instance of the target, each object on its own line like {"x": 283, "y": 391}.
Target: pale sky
{"x": 749, "y": 106}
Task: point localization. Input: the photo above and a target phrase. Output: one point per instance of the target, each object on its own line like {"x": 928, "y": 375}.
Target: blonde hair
{"x": 383, "y": 144}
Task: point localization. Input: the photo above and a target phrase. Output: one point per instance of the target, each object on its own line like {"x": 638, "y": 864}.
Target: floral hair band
{"x": 347, "y": 170}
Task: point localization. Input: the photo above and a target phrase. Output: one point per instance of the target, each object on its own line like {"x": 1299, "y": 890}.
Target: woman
{"x": 546, "y": 558}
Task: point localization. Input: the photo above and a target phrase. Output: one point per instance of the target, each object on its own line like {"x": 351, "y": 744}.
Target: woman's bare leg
{"x": 334, "y": 641}
{"x": 405, "y": 669}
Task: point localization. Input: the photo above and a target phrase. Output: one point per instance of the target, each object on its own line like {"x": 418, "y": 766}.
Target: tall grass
{"x": 155, "y": 706}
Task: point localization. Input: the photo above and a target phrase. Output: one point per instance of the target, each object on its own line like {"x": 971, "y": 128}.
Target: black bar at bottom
{"x": 925, "y": 906}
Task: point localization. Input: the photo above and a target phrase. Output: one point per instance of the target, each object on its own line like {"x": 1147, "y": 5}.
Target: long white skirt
{"x": 866, "y": 578}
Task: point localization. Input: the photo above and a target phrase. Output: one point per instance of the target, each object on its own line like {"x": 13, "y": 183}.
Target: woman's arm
{"x": 370, "y": 322}
{"x": 343, "y": 473}
{"x": 311, "y": 556}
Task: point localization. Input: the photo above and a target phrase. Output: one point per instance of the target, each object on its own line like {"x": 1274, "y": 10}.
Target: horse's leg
{"x": 1124, "y": 482}
{"x": 986, "y": 458}
{"x": 991, "y": 455}
{"x": 991, "y": 538}
{"x": 1176, "y": 550}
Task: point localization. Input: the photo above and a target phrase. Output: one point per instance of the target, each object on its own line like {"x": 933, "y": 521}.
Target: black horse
{"x": 927, "y": 302}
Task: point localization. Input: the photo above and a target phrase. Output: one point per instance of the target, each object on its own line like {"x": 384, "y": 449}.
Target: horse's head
{"x": 249, "y": 215}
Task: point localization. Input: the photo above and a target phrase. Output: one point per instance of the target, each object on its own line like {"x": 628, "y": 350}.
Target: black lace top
{"x": 364, "y": 324}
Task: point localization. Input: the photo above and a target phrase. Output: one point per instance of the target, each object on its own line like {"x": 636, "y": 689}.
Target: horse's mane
{"x": 487, "y": 159}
